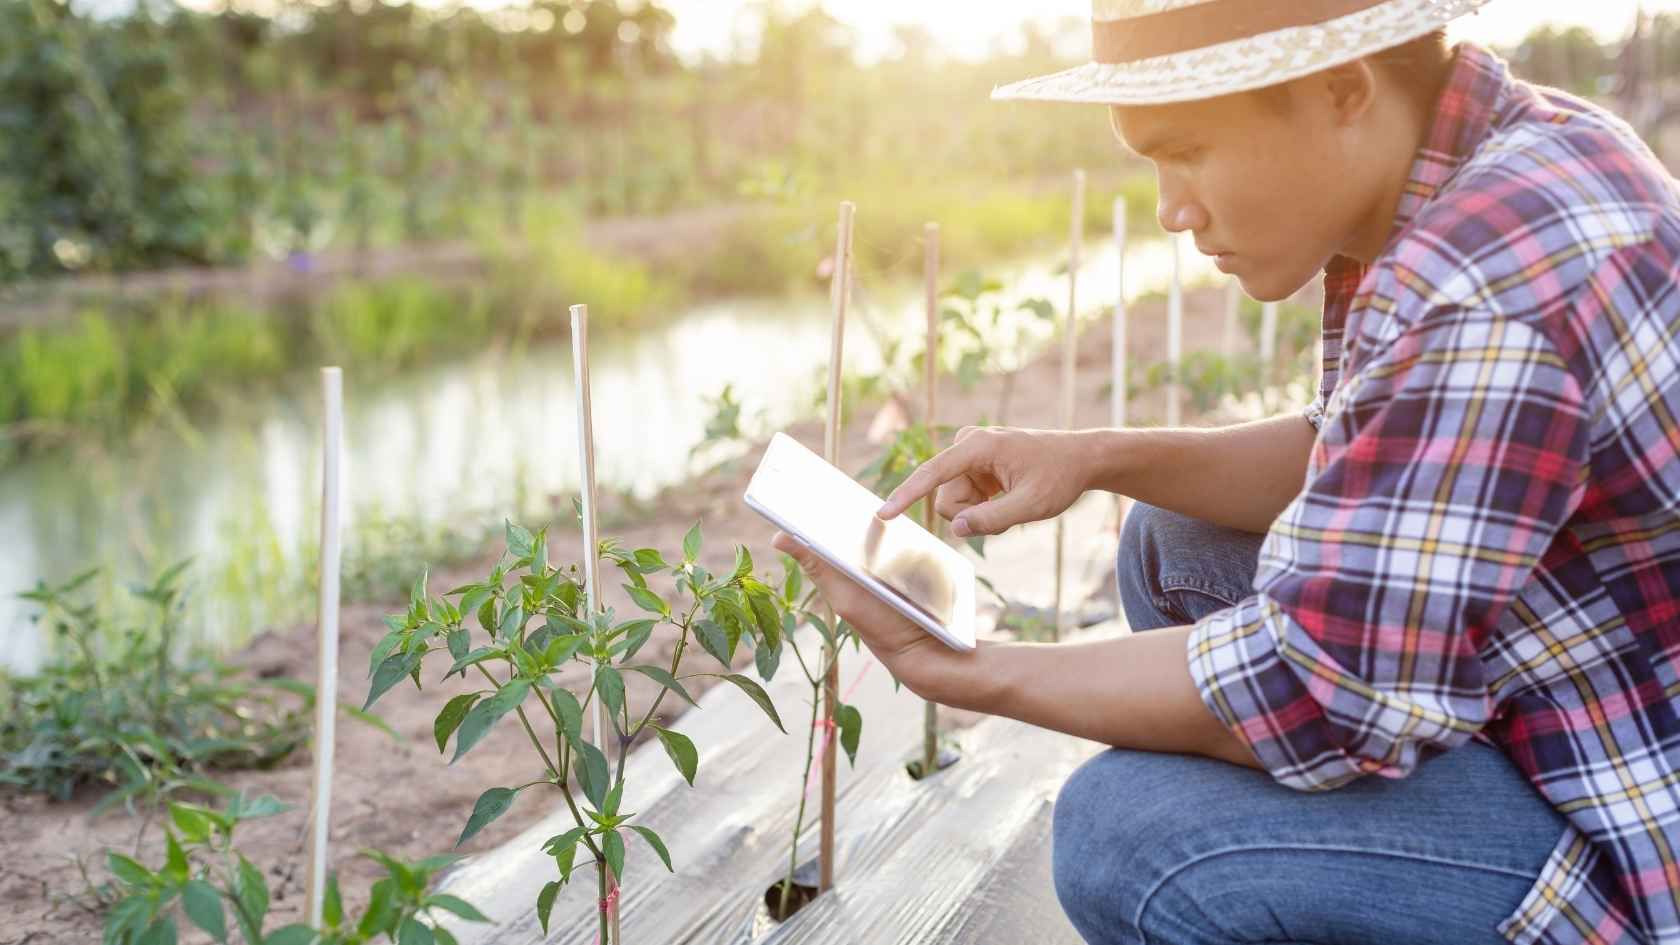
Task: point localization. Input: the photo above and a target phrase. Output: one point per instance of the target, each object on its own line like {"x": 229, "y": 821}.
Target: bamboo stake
{"x": 591, "y": 536}
{"x": 1268, "y": 337}
{"x": 930, "y": 368}
{"x": 326, "y": 660}
{"x": 840, "y": 288}
{"x": 1117, "y": 392}
{"x": 1117, "y": 345}
{"x": 1233, "y": 305}
{"x": 1175, "y": 328}
{"x": 1070, "y": 346}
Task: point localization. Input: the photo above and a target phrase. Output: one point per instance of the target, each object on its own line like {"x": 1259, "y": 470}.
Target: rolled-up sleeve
{"x": 1442, "y": 472}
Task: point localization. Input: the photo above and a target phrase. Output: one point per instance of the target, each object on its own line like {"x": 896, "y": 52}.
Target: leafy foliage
{"x": 220, "y": 892}
{"x": 118, "y": 706}
{"x": 528, "y": 621}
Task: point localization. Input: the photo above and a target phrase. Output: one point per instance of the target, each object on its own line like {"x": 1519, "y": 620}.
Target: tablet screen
{"x": 928, "y": 580}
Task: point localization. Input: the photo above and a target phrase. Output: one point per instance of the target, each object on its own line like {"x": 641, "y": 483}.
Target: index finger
{"x": 947, "y": 465}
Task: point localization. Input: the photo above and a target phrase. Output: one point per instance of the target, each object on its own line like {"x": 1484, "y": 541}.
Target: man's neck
{"x": 1375, "y": 224}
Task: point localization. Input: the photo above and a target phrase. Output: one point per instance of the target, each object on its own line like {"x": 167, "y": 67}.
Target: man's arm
{"x": 1238, "y": 476}
{"x": 1130, "y": 692}
{"x": 995, "y": 478}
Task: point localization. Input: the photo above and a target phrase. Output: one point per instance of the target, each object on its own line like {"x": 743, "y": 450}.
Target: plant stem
{"x": 799, "y": 819}
{"x": 601, "y": 884}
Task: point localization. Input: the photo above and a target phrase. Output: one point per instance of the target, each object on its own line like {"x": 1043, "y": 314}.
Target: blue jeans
{"x": 1176, "y": 849}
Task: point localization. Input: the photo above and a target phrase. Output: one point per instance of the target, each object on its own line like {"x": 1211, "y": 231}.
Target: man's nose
{"x": 1180, "y": 216}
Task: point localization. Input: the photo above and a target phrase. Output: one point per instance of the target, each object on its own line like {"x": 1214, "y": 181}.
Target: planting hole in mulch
{"x": 804, "y": 891}
{"x": 949, "y": 754}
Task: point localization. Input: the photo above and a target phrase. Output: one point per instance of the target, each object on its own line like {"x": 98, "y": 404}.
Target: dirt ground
{"x": 401, "y": 796}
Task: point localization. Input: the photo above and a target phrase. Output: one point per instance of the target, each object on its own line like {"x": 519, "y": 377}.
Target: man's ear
{"x": 1352, "y": 88}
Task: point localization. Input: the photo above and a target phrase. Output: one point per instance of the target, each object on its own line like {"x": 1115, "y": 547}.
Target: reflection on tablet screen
{"x": 914, "y": 573}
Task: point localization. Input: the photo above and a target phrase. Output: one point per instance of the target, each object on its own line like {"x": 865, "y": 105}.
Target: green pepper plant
{"x": 528, "y": 620}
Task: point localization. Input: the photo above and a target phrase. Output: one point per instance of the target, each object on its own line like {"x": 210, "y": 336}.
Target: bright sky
{"x": 968, "y": 29}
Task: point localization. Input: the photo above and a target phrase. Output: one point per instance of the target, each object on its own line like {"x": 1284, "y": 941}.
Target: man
{"x": 1468, "y": 581}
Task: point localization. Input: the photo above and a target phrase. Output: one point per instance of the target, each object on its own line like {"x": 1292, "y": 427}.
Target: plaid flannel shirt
{"x": 1488, "y": 542}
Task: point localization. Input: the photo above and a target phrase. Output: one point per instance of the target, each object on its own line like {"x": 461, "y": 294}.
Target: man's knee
{"x": 1138, "y": 566}
{"x": 1115, "y": 829}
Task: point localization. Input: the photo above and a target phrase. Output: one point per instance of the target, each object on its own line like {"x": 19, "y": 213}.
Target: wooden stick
{"x": 840, "y": 289}
{"x": 1070, "y": 348}
{"x": 326, "y": 661}
{"x": 1117, "y": 393}
{"x": 1117, "y": 345}
{"x": 591, "y": 536}
{"x": 1233, "y": 306}
{"x": 1268, "y": 338}
{"x": 1175, "y": 328}
{"x": 930, "y": 370}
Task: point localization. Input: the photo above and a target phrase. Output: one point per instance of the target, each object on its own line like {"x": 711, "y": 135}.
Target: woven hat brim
{"x": 1244, "y": 64}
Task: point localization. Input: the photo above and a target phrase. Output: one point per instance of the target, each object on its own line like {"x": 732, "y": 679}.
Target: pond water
{"x": 462, "y": 442}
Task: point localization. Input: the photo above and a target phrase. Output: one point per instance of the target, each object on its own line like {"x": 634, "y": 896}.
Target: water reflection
{"x": 475, "y": 436}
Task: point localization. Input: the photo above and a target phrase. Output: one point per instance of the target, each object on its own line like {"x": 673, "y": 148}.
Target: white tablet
{"x": 899, "y": 561}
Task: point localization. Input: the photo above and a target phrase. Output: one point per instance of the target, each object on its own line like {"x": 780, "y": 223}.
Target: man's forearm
{"x": 1131, "y": 692}
{"x": 1239, "y": 476}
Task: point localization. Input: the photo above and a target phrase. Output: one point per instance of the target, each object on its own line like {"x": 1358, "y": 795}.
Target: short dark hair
{"x": 1419, "y": 68}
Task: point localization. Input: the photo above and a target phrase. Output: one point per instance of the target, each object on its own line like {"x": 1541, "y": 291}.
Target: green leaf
{"x": 417, "y": 596}
{"x": 545, "y": 904}
{"x": 611, "y": 687}
{"x": 758, "y": 695}
{"x": 250, "y": 890}
{"x": 793, "y": 580}
{"x": 381, "y": 911}
{"x": 192, "y": 823}
{"x": 482, "y": 716}
{"x": 850, "y": 721}
{"x": 469, "y": 660}
{"x": 128, "y": 870}
{"x": 384, "y": 647}
{"x": 615, "y": 796}
{"x": 491, "y": 804}
{"x": 443, "y": 936}
{"x": 691, "y": 544}
{"x": 160, "y": 932}
{"x": 203, "y": 906}
{"x": 562, "y": 648}
{"x": 592, "y": 772}
{"x": 450, "y": 718}
{"x": 390, "y": 672}
{"x": 743, "y": 563}
{"x": 175, "y": 860}
{"x": 822, "y": 629}
{"x": 571, "y": 714}
{"x": 414, "y": 932}
{"x": 519, "y": 540}
{"x": 713, "y": 640}
{"x": 767, "y": 658}
{"x": 564, "y": 860}
{"x": 648, "y": 600}
{"x": 475, "y": 597}
{"x": 264, "y": 805}
{"x": 657, "y": 844}
{"x": 458, "y": 906}
{"x": 612, "y": 844}
{"x": 681, "y": 751}
{"x": 649, "y": 560}
{"x": 665, "y": 679}
{"x": 635, "y": 637}
{"x": 295, "y": 934}
{"x": 128, "y": 916}
{"x": 332, "y": 905}
{"x": 561, "y": 842}
{"x": 513, "y": 620}
{"x": 459, "y": 642}
{"x": 769, "y": 623}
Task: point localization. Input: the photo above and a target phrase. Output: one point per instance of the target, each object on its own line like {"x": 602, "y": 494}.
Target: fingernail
{"x": 959, "y": 528}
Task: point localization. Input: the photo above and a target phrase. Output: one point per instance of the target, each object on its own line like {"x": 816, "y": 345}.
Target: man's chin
{"x": 1269, "y": 286}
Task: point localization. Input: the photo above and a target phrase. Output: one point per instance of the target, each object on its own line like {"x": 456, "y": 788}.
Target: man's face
{"x": 1256, "y": 182}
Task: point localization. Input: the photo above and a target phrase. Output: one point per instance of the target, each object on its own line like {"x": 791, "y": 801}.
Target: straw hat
{"x": 1152, "y": 52}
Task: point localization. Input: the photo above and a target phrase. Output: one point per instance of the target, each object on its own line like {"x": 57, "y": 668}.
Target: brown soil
{"x": 402, "y": 797}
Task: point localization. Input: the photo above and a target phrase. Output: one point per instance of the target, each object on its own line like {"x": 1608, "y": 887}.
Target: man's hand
{"x": 994, "y": 478}
{"x": 931, "y": 669}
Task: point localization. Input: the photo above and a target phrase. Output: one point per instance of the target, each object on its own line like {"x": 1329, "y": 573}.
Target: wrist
{"x": 1107, "y": 459}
